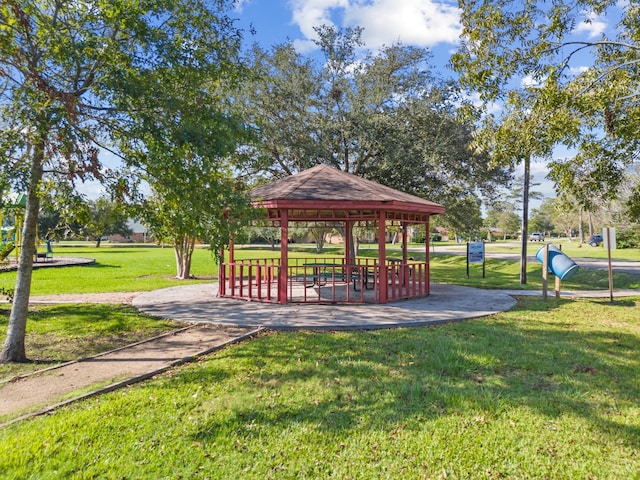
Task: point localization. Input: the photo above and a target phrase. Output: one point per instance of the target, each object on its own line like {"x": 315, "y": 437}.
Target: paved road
{"x": 622, "y": 266}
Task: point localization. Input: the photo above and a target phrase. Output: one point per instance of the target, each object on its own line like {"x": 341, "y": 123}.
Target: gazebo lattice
{"x": 326, "y": 196}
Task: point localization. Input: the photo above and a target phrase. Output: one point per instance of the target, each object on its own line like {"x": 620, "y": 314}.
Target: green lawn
{"x": 573, "y": 249}
{"x": 123, "y": 269}
{"x": 547, "y": 390}
{"x": 505, "y": 274}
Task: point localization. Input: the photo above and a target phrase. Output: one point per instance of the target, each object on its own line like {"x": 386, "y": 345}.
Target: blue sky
{"x": 421, "y": 23}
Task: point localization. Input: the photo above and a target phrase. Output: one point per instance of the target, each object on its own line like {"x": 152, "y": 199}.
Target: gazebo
{"x": 324, "y": 196}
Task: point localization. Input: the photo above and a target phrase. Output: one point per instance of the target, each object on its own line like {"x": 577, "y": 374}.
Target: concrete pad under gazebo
{"x": 323, "y": 196}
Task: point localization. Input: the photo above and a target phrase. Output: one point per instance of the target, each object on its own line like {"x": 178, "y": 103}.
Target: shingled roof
{"x": 323, "y": 188}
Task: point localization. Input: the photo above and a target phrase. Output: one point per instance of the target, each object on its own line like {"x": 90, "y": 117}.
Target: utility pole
{"x": 525, "y": 220}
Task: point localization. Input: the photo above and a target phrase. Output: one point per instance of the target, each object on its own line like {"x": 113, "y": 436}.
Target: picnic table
{"x": 322, "y": 272}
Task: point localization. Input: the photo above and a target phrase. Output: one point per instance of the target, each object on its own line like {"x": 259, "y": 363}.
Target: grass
{"x": 130, "y": 269}
{"x": 505, "y": 274}
{"x": 127, "y": 269}
{"x": 573, "y": 249}
{"x": 547, "y": 390}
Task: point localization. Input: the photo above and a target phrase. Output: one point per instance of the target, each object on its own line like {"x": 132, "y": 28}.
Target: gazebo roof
{"x": 324, "y": 193}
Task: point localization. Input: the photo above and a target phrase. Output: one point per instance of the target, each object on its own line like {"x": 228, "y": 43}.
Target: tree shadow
{"x": 390, "y": 377}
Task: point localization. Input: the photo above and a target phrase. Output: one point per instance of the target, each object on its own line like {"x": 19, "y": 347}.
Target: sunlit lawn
{"x": 571, "y": 248}
{"x": 123, "y": 269}
{"x": 60, "y": 333}
{"x": 547, "y": 390}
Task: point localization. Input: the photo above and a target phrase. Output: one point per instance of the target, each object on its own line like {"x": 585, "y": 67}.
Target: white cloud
{"x": 578, "y": 70}
{"x": 238, "y": 5}
{"x": 414, "y": 22}
{"x": 490, "y": 108}
{"x": 593, "y": 25}
{"x": 530, "y": 82}
{"x": 314, "y": 13}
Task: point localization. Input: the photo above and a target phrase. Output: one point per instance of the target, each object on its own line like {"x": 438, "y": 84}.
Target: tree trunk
{"x": 580, "y": 230}
{"x": 525, "y": 221}
{"x": 318, "y": 236}
{"x": 98, "y": 242}
{"x": 14, "y": 345}
{"x": 183, "y": 248}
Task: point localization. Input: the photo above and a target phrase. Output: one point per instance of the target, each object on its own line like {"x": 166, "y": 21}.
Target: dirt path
{"x": 45, "y": 390}
{"x": 112, "y": 297}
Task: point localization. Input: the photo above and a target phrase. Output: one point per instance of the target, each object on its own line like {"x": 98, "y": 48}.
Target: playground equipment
{"x": 11, "y": 235}
{"x": 556, "y": 262}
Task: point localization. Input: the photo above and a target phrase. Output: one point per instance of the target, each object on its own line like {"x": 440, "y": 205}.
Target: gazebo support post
{"x": 405, "y": 268}
{"x": 232, "y": 267}
{"x": 284, "y": 257}
{"x": 348, "y": 232}
{"x": 427, "y": 239}
{"x": 404, "y": 243}
{"x": 383, "y": 281}
{"x": 222, "y": 290}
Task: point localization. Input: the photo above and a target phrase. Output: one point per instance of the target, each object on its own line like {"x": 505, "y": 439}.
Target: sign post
{"x": 475, "y": 254}
{"x": 609, "y": 237}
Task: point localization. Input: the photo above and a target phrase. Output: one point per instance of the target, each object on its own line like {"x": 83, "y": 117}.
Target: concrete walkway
{"x": 200, "y": 303}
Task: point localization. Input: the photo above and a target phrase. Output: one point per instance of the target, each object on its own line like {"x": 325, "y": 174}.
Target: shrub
{"x": 628, "y": 239}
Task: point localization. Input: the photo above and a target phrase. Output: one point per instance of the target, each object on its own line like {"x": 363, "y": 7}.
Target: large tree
{"x": 583, "y": 89}
{"x": 74, "y": 78}
{"x": 181, "y": 151}
{"x": 380, "y": 115}
{"x": 105, "y": 217}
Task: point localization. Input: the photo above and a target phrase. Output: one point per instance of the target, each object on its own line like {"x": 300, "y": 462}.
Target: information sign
{"x": 476, "y": 252}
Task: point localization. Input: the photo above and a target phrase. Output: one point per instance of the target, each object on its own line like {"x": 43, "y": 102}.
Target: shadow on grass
{"x": 408, "y": 375}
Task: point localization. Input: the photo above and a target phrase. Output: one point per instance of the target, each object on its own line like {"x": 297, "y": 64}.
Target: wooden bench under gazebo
{"x": 323, "y": 196}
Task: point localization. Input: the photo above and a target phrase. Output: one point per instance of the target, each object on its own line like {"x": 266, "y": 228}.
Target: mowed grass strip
{"x": 117, "y": 269}
{"x": 547, "y": 390}
{"x": 505, "y": 274}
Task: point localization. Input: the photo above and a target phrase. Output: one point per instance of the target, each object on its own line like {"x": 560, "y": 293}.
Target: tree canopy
{"x": 569, "y": 86}
{"x": 79, "y": 78}
{"x": 380, "y": 115}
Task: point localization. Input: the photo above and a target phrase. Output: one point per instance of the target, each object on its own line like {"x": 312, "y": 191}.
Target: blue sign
{"x": 476, "y": 252}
